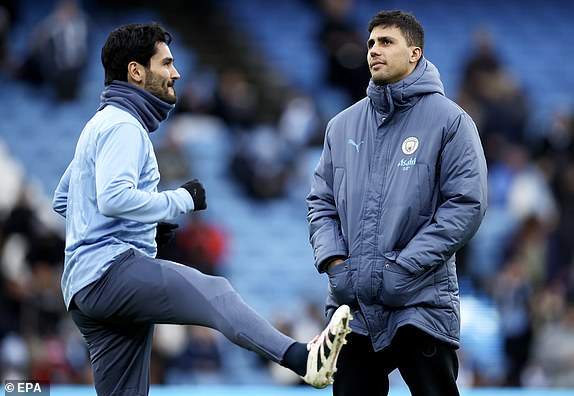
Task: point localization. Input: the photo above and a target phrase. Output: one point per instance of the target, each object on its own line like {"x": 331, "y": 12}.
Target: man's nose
{"x": 175, "y": 74}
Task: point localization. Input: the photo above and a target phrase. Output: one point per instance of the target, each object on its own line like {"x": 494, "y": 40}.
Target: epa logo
{"x": 26, "y": 387}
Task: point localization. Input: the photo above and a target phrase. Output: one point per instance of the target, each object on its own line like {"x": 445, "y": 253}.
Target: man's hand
{"x": 334, "y": 262}
{"x": 165, "y": 232}
{"x": 197, "y": 192}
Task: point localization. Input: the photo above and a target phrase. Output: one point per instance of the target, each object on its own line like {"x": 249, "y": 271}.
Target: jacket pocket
{"x": 400, "y": 288}
{"x": 342, "y": 283}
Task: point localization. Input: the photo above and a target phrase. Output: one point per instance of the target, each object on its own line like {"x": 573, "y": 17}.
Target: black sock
{"x": 296, "y": 358}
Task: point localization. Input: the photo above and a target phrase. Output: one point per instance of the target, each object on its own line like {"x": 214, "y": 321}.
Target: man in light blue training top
{"x": 114, "y": 287}
{"x": 399, "y": 189}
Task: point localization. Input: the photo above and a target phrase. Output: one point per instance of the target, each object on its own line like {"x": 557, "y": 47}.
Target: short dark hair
{"x": 406, "y": 22}
{"x": 127, "y": 43}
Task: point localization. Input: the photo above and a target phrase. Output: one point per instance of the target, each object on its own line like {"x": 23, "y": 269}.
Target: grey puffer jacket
{"x": 399, "y": 188}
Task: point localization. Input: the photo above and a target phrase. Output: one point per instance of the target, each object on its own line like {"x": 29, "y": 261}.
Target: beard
{"x": 158, "y": 87}
{"x": 381, "y": 79}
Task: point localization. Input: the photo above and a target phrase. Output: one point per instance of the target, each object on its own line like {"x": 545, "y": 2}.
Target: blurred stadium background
{"x": 259, "y": 81}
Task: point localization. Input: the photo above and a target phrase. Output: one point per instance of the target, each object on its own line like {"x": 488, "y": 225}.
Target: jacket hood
{"x": 424, "y": 80}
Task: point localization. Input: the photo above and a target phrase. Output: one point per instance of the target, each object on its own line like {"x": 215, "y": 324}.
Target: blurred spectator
{"x": 199, "y": 244}
{"x": 8, "y": 16}
{"x": 14, "y": 357}
{"x": 174, "y": 164}
{"x": 555, "y": 155}
{"x": 58, "y": 50}
{"x": 512, "y": 293}
{"x": 39, "y": 244}
{"x": 494, "y": 100}
{"x": 556, "y": 145}
{"x": 529, "y": 248}
{"x": 197, "y": 96}
{"x": 344, "y": 48}
{"x": 32, "y": 305}
{"x": 311, "y": 321}
{"x": 505, "y": 109}
{"x": 529, "y": 194}
{"x": 21, "y": 218}
{"x": 279, "y": 374}
{"x": 20, "y": 230}
{"x": 517, "y": 190}
{"x": 466, "y": 375}
{"x": 548, "y": 304}
{"x": 302, "y": 128}
{"x": 236, "y": 100}
{"x": 561, "y": 249}
{"x": 306, "y": 326}
{"x": 44, "y": 307}
{"x": 12, "y": 181}
{"x": 553, "y": 351}
{"x": 477, "y": 69}
{"x": 262, "y": 162}
{"x": 169, "y": 341}
{"x": 299, "y": 122}
{"x": 49, "y": 362}
{"x": 76, "y": 354}
{"x": 198, "y": 360}
{"x": 202, "y": 353}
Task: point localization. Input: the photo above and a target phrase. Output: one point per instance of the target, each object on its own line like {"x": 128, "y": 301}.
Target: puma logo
{"x": 355, "y": 145}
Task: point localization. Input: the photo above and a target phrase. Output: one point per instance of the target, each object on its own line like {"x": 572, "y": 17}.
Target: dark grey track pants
{"x": 117, "y": 313}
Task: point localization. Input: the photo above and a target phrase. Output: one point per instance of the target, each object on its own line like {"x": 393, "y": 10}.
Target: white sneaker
{"x": 324, "y": 349}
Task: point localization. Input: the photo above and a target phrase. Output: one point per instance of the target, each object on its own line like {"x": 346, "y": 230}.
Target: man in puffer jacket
{"x": 399, "y": 189}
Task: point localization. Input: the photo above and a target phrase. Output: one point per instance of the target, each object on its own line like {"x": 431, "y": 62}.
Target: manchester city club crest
{"x": 410, "y": 145}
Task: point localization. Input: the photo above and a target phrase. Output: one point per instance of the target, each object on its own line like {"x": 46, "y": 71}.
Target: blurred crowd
{"x": 521, "y": 259}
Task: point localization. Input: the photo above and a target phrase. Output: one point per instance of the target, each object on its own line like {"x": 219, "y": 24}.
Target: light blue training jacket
{"x": 399, "y": 188}
{"x": 109, "y": 197}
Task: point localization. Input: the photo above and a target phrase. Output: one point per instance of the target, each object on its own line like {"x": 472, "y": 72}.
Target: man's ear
{"x": 136, "y": 73}
{"x": 416, "y": 54}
